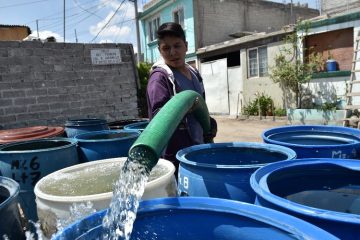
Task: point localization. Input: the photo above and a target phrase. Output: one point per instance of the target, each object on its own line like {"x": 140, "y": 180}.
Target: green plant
{"x": 290, "y": 70}
{"x": 251, "y": 109}
{"x": 279, "y": 112}
{"x": 143, "y": 69}
{"x": 261, "y": 101}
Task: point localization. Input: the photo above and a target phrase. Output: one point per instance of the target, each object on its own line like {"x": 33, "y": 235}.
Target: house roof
{"x": 16, "y": 26}
{"x": 243, "y": 42}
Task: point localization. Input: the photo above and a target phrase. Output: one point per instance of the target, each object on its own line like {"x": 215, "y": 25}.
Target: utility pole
{"x": 37, "y": 28}
{"x": 291, "y": 12}
{"x": 76, "y": 39}
{"x": 137, "y": 31}
{"x": 64, "y": 21}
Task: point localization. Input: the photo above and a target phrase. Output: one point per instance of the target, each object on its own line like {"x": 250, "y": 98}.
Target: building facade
{"x": 332, "y": 7}
{"x": 208, "y": 22}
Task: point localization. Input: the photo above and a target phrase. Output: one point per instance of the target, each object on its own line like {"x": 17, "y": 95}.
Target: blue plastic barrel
{"x": 140, "y": 126}
{"x": 9, "y": 210}
{"x": 202, "y": 218}
{"x": 27, "y": 162}
{"x": 316, "y": 141}
{"x": 105, "y": 144}
{"x": 331, "y": 65}
{"x": 223, "y": 170}
{"x": 75, "y": 127}
{"x": 324, "y": 192}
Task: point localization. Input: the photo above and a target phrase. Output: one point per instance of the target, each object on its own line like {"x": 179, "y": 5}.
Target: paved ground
{"x": 244, "y": 130}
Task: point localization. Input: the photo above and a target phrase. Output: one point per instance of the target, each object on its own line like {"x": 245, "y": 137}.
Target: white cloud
{"x": 45, "y": 34}
{"x": 112, "y": 30}
{"x": 126, "y": 9}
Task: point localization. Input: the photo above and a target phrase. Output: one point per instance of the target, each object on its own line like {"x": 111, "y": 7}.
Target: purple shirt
{"x": 159, "y": 91}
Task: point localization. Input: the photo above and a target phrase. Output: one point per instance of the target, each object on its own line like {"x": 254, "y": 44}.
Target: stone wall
{"x": 48, "y": 83}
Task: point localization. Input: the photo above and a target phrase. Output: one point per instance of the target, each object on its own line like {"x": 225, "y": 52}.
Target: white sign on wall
{"x": 105, "y": 56}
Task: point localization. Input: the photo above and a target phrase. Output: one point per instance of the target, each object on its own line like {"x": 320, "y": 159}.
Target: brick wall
{"x": 338, "y": 43}
{"x": 48, "y": 83}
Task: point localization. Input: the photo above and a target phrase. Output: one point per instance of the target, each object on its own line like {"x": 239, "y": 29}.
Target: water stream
{"x": 128, "y": 190}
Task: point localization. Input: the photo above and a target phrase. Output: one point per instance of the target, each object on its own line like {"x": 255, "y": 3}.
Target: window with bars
{"x": 153, "y": 25}
{"x": 257, "y": 62}
{"x": 178, "y": 16}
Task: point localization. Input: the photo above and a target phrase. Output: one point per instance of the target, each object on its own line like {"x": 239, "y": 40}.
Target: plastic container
{"x": 324, "y": 192}
{"x": 9, "y": 210}
{"x": 119, "y": 125}
{"x": 92, "y": 182}
{"x": 105, "y": 144}
{"x": 27, "y": 162}
{"x": 140, "y": 126}
{"x": 316, "y": 141}
{"x": 202, "y": 218}
{"x": 331, "y": 65}
{"x": 223, "y": 170}
{"x": 29, "y": 133}
{"x": 75, "y": 127}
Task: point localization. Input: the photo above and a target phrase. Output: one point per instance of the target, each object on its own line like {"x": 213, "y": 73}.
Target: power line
{"x": 22, "y": 4}
{"x": 78, "y": 5}
{"x": 108, "y": 21}
{"x": 57, "y": 25}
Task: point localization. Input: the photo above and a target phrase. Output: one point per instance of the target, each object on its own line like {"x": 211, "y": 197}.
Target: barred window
{"x": 257, "y": 62}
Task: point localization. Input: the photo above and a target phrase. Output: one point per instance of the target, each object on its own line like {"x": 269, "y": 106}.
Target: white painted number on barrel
{"x": 338, "y": 154}
{"x": 186, "y": 183}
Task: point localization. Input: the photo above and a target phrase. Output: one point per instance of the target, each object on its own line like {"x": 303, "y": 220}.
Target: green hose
{"x": 149, "y": 145}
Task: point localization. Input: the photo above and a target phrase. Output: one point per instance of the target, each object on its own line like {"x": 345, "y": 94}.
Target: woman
{"x": 170, "y": 76}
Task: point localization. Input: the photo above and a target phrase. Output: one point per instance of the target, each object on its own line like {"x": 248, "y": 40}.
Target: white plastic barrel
{"x": 53, "y": 206}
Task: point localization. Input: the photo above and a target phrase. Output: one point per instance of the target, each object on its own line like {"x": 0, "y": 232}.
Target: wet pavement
{"x": 245, "y": 129}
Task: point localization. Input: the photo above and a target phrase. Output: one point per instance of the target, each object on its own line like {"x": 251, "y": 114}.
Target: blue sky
{"x": 95, "y": 21}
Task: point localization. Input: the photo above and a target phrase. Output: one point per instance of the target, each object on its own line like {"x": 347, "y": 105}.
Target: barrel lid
{"x": 29, "y": 133}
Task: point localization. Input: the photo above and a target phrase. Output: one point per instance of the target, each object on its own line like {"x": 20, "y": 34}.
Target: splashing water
{"x": 39, "y": 234}
{"x": 77, "y": 212}
{"x": 128, "y": 190}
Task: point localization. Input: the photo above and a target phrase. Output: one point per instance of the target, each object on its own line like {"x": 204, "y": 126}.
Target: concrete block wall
{"x": 48, "y": 83}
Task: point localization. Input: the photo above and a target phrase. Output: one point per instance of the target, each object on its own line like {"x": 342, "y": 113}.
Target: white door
{"x": 214, "y": 75}
{"x": 235, "y": 90}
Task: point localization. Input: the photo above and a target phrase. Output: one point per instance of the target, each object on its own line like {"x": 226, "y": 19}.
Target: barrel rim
{"x": 79, "y": 137}
{"x": 101, "y": 196}
{"x": 294, "y": 226}
{"x": 348, "y": 131}
{"x": 263, "y": 191}
{"x": 181, "y": 155}
{"x": 13, "y": 194}
{"x": 134, "y": 125}
{"x": 82, "y": 122}
{"x": 72, "y": 143}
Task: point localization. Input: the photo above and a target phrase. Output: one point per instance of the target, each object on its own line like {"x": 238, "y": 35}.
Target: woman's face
{"x": 173, "y": 50}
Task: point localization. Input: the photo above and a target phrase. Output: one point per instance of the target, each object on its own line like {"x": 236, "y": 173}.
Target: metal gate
{"x": 214, "y": 74}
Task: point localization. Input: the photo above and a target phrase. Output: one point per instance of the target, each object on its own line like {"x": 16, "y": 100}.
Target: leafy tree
{"x": 290, "y": 70}
{"x": 143, "y": 69}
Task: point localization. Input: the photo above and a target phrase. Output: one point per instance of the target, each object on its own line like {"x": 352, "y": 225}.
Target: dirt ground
{"x": 244, "y": 130}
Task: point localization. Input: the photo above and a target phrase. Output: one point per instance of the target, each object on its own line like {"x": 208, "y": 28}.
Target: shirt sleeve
{"x": 157, "y": 93}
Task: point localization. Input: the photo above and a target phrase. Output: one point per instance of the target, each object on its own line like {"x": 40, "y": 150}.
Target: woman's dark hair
{"x": 170, "y": 29}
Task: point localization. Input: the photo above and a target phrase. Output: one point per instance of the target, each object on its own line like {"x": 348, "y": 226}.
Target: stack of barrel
{"x": 29, "y": 154}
